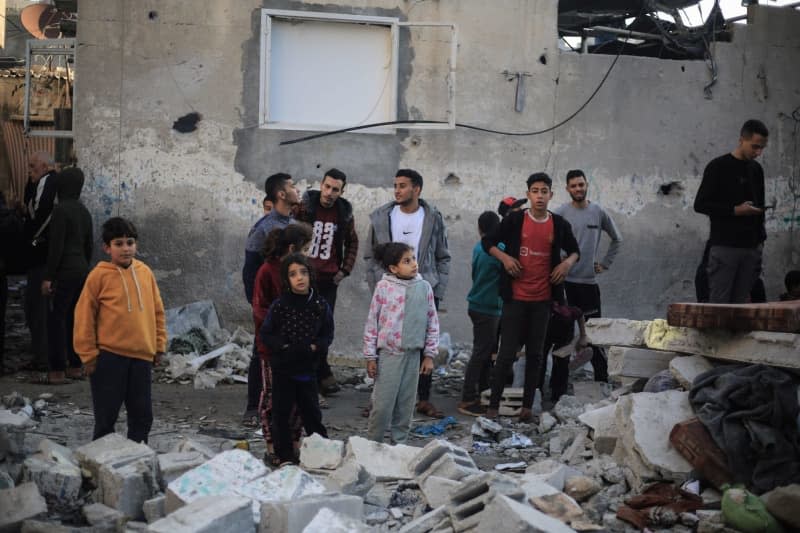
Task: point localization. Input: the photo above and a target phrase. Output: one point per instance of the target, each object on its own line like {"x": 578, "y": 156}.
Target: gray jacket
{"x": 433, "y": 257}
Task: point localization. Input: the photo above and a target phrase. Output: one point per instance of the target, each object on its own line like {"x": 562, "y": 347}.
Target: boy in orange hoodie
{"x": 120, "y": 333}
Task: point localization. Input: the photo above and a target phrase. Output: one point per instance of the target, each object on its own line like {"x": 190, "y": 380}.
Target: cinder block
{"x": 58, "y": 481}
{"x": 333, "y": 522}
{"x": 103, "y": 516}
{"x": 317, "y": 452}
{"x": 437, "y": 490}
{"x": 443, "y": 459}
{"x": 468, "y": 501}
{"x": 172, "y": 465}
{"x": 154, "y": 509}
{"x": 19, "y": 504}
{"x": 352, "y": 478}
{"x": 113, "y": 450}
{"x": 293, "y": 516}
{"x": 209, "y": 514}
{"x": 221, "y": 475}
{"x": 384, "y": 462}
{"x": 127, "y": 487}
{"x": 509, "y": 516}
{"x": 426, "y": 522}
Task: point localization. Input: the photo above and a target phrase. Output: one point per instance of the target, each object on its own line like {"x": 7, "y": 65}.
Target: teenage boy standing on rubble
{"x": 533, "y": 275}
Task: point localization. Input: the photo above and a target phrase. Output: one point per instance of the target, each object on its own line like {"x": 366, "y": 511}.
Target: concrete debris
{"x": 317, "y": 452}
{"x": 437, "y": 490}
{"x": 558, "y": 506}
{"x": 101, "y": 515}
{"x": 12, "y": 432}
{"x": 382, "y": 461}
{"x": 547, "y": 422}
{"x": 154, "y": 508}
{"x": 352, "y": 478}
{"x": 189, "y": 445}
{"x": 292, "y": 516}
{"x": 468, "y": 502}
{"x": 115, "y": 450}
{"x": 285, "y": 484}
{"x": 426, "y": 522}
{"x": 172, "y": 465}
{"x": 55, "y": 471}
{"x": 332, "y": 522}
{"x": 645, "y": 421}
{"x": 686, "y": 368}
{"x": 581, "y": 488}
{"x": 19, "y": 504}
{"x": 196, "y": 315}
{"x": 591, "y": 391}
{"x": 569, "y": 408}
{"x": 616, "y": 331}
{"x": 510, "y": 516}
{"x": 128, "y": 486}
{"x": 442, "y": 459}
{"x": 209, "y": 514}
{"x": 637, "y": 362}
{"x": 510, "y": 401}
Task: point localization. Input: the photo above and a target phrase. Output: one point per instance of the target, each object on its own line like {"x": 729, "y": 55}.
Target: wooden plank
{"x": 772, "y": 316}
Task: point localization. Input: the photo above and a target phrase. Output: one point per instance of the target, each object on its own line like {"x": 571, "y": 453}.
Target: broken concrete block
{"x": 127, "y": 487}
{"x": 190, "y": 445}
{"x": 688, "y": 367}
{"x": 755, "y": 347}
{"x": 426, "y": 522}
{"x": 443, "y": 459}
{"x": 6, "y": 481}
{"x": 437, "y": 490}
{"x": 784, "y": 504}
{"x": 116, "y": 450}
{"x": 154, "y": 509}
{"x": 173, "y": 465}
{"x": 221, "y": 475}
{"x": 383, "y": 461}
{"x": 577, "y": 447}
{"x": 12, "y": 432}
{"x": 591, "y": 391}
{"x": 581, "y": 488}
{"x": 616, "y": 331}
{"x": 546, "y": 422}
{"x": 535, "y": 487}
{"x": 333, "y": 522}
{"x": 568, "y": 408}
{"x": 637, "y": 362}
{"x": 19, "y": 504}
{"x": 59, "y": 481}
{"x": 551, "y": 472}
{"x": 209, "y": 514}
{"x": 558, "y": 506}
{"x": 317, "y": 452}
{"x": 285, "y": 484}
{"x": 645, "y": 421}
{"x": 509, "y": 516}
{"x": 294, "y": 515}
{"x": 352, "y": 478}
{"x": 100, "y": 515}
{"x": 468, "y": 501}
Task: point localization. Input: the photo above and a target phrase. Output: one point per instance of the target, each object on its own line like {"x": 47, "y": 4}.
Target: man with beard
{"x": 588, "y": 221}
{"x": 415, "y": 222}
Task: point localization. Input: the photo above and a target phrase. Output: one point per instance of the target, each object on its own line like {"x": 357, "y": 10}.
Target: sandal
{"x": 426, "y": 408}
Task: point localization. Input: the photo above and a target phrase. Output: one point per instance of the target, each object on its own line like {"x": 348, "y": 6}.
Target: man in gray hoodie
{"x": 412, "y": 220}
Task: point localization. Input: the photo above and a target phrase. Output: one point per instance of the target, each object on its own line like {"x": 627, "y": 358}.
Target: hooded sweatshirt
{"x": 70, "y": 240}
{"x": 120, "y": 311}
{"x": 402, "y": 317}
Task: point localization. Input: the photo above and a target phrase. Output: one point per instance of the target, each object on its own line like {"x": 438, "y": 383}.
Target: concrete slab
{"x": 616, "y": 331}
{"x": 766, "y": 347}
{"x": 209, "y": 514}
{"x": 19, "y": 504}
{"x": 114, "y": 450}
{"x": 174, "y": 464}
{"x": 645, "y": 421}
{"x": 688, "y": 367}
{"x": 332, "y": 522}
{"x": 637, "y": 362}
{"x": 509, "y": 516}
{"x": 220, "y": 475}
{"x": 285, "y": 484}
{"x": 383, "y": 461}
{"x": 293, "y": 516}
{"x": 317, "y": 452}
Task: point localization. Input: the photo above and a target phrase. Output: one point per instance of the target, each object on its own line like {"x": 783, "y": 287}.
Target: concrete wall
{"x": 144, "y": 64}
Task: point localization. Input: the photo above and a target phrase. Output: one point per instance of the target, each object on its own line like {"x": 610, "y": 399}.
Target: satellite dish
{"x": 41, "y": 19}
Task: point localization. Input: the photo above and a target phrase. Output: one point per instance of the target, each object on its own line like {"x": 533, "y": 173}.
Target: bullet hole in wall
{"x": 543, "y": 59}
{"x": 416, "y": 141}
{"x": 319, "y": 165}
{"x": 152, "y": 15}
{"x": 673, "y": 188}
{"x": 187, "y": 123}
{"x": 452, "y": 179}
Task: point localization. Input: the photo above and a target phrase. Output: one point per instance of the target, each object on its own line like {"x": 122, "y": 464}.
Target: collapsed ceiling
{"x": 640, "y": 27}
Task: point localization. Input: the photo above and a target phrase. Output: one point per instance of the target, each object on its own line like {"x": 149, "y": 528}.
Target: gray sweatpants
{"x": 732, "y": 273}
{"x": 394, "y": 396}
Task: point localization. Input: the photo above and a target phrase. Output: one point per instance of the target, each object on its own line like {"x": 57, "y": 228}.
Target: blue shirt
{"x": 484, "y": 296}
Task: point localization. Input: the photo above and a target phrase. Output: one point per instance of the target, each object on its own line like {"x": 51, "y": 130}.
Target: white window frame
{"x": 393, "y": 24}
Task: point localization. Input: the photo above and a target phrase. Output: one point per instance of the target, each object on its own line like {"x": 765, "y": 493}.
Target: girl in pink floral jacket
{"x": 402, "y": 321}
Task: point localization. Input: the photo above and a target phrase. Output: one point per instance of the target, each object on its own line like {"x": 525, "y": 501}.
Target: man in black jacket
{"x": 40, "y": 195}
{"x": 334, "y": 248}
{"x": 533, "y": 277}
{"x": 732, "y": 195}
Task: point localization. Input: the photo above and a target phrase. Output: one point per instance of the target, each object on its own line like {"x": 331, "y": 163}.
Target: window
{"x": 325, "y": 71}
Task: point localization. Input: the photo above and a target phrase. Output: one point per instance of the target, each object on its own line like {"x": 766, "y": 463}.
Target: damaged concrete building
{"x": 249, "y": 75}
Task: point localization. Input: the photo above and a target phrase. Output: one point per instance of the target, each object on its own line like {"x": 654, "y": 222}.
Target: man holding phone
{"x": 732, "y": 195}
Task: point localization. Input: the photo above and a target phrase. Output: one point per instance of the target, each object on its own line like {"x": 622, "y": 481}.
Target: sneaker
{"x": 471, "y": 408}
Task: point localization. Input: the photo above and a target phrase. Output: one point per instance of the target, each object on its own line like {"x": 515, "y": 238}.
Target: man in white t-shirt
{"x": 412, "y": 220}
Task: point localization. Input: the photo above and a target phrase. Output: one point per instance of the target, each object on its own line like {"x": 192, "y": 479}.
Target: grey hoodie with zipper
{"x": 433, "y": 257}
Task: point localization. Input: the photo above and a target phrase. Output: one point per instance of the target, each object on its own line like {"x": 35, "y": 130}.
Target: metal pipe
{"x": 625, "y": 33}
